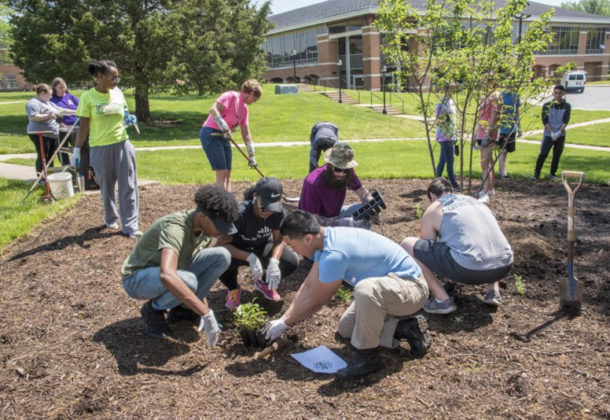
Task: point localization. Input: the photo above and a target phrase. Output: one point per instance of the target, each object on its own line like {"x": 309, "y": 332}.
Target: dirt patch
{"x": 72, "y": 343}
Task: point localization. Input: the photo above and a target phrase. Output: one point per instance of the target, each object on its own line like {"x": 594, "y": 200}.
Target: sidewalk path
{"x": 27, "y": 173}
{"x": 12, "y": 102}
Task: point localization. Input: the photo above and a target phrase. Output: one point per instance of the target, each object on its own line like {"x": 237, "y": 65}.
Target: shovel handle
{"x": 565, "y": 177}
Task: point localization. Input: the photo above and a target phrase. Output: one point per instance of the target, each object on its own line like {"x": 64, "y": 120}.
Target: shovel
{"x": 570, "y": 289}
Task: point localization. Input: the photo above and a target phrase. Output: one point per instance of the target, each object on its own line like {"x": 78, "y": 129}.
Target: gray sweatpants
{"x": 112, "y": 163}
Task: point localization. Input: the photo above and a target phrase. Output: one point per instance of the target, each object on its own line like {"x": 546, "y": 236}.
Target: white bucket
{"x": 61, "y": 184}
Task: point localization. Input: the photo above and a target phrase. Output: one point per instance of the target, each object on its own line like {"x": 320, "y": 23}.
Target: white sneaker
{"x": 483, "y": 198}
{"x": 114, "y": 225}
{"x": 491, "y": 192}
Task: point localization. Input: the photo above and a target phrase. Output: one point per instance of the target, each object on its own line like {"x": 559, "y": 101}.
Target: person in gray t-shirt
{"x": 42, "y": 118}
{"x": 323, "y": 136}
{"x": 461, "y": 240}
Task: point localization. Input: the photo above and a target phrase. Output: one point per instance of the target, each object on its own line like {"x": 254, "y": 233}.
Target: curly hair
{"x": 249, "y": 193}
{"x": 252, "y": 85}
{"x": 215, "y": 201}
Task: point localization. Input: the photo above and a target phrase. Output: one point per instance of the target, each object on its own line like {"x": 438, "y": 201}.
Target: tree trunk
{"x": 142, "y": 105}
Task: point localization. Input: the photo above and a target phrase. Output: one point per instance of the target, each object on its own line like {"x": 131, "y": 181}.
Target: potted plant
{"x": 249, "y": 319}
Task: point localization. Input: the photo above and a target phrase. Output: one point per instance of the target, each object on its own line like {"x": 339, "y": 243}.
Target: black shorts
{"x": 510, "y": 140}
{"x": 437, "y": 257}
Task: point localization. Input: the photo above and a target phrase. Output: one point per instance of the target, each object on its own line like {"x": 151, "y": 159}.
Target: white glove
{"x": 252, "y": 162}
{"x": 274, "y": 274}
{"x": 221, "y": 123}
{"x": 274, "y": 329}
{"x": 209, "y": 324}
{"x": 75, "y": 158}
{"x": 255, "y": 266}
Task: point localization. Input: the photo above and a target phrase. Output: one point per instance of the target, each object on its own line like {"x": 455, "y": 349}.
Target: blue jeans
{"x": 447, "y": 151}
{"x": 216, "y": 148}
{"x": 200, "y": 276}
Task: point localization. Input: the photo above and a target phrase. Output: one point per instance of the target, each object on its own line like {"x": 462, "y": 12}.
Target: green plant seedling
{"x": 473, "y": 368}
{"x": 250, "y": 316}
{"x": 418, "y": 211}
{"x": 458, "y": 318}
{"x": 519, "y": 284}
{"x": 344, "y": 294}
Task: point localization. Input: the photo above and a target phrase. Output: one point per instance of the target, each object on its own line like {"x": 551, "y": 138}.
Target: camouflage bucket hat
{"x": 341, "y": 156}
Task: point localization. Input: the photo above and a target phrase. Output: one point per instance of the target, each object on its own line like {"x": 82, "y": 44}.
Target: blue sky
{"x": 279, "y": 6}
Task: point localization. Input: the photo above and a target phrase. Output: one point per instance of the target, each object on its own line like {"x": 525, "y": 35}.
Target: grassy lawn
{"x": 592, "y": 135}
{"x": 17, "y": 219}
{"x": 272, "y": 119}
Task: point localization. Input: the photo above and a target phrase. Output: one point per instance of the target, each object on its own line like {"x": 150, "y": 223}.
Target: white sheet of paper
{"x": 320, "y": 360}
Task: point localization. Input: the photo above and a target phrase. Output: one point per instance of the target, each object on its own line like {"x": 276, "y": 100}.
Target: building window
{"x": 279, "y": 49}
{"x": 595, "y": 39}
{"x": 11, "y": 81}
{"x": 565, "y": 40}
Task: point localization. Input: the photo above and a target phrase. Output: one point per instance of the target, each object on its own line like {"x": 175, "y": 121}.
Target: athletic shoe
{"x": 114, "y": 225}
{"x": 483, "y": 198}
{"x": 534, "y": 178}
{"x": 136, "y": 234}
{"x": 492, "y": 298}
{"x": 444, "y": 307}
{"x": 364, "y": 362}
{"x": 415, "y": 331}
{"x": 491, "y": 193}
{"x": 233, "y": 299}
{"x": 456, "y": 188}
{"x": 553, "y": 177}
{"x": 266, "y": 291}
{"x": 156, "y": 325}
{"x": 180, "y": 313}
{"x": 505, "y": 176}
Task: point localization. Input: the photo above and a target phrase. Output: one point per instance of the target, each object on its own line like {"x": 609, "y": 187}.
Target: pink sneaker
{"x": 233, "y": 299}
{"x": 268, "y": 293}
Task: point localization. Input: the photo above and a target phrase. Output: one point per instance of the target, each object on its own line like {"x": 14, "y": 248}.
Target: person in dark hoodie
{"x": 555, "y": 118}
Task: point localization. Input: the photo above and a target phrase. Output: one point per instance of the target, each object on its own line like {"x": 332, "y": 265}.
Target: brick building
{"x": 311, "y": 41}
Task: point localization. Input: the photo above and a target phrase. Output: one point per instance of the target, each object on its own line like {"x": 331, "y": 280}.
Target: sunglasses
{"x": 339, "y": 170}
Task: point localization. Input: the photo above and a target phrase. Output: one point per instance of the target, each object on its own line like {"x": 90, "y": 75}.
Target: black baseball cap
{"x": 223, "y": 226}
{"x": 270, "y": 192}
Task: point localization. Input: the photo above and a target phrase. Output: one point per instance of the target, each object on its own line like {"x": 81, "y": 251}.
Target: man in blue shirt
{"x": 387, "y": 282}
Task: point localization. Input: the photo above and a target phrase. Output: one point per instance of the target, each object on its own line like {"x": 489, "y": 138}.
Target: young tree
{"x": 466, "y": 48}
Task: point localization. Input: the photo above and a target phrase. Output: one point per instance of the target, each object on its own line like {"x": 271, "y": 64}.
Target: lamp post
{"x": 383, "y": 70}
{"x": 522, "y": 16}
{"x": 294, "y": 65}
{"x": 339, "y": 62}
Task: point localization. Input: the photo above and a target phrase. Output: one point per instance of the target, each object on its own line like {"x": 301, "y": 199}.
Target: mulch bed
{"x": 72, "y": 343}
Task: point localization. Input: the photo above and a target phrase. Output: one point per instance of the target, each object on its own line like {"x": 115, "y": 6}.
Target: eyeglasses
{"x": 115, "y": 79}
{"x": 339, "y": 170}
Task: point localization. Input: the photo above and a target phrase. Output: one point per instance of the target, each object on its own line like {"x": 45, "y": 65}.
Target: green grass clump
{"x": 344, "y": 294}
{"x": 18, "y": 219}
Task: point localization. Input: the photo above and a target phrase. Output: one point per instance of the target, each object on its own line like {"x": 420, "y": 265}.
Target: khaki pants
{"x": 370, "y": 321}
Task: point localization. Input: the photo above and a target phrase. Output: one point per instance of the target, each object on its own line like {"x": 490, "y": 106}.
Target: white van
{"x": 575, "y": 80}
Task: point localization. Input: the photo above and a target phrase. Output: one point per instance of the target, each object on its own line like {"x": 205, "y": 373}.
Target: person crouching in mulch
{"x": 258, "y": 243}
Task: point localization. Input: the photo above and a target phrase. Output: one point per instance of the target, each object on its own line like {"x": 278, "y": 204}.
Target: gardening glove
{"x": 274, "y": 274}
{"x": 274, "y": 329}
{"x": 220, "y": 122}
{"x": 75, "y": 158}
{"x": 255, "y": 266}
{"x": 252, "y": 162}
{"x": 212, "y": 330}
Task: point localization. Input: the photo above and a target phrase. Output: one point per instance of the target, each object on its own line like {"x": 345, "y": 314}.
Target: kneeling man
{"x": 460, "y": 240}
{"x": 387, "y": 284}
{"x": 173, "y": 266}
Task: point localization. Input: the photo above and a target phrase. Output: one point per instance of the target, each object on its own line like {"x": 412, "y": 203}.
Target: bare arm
{"x": 175, "y": 285}
{"x": 83, "y": 130}
{"x": 278, "y": 245}
{"x": 363, "y": 194}
{"x": 310, "y": 297}
{"x": 431, "y": 221}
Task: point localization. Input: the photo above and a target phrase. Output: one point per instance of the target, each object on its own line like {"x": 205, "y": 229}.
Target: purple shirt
{"x": 68, "y": 101}
{"x": 318, "y": 198}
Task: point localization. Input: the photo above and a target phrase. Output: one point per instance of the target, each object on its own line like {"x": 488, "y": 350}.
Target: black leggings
{"x": 288, "y": 263}
{"x": 49, "y": 144}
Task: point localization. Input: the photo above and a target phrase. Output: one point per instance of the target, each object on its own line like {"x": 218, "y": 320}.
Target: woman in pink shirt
{"x": 229, "y": 111}
{"x": 486, "y": 135}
